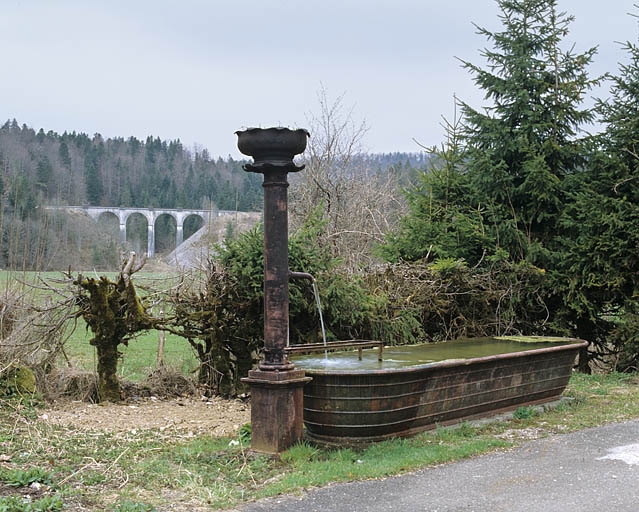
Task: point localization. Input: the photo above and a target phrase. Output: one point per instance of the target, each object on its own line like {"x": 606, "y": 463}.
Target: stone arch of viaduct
{"x": 151, "y": 215}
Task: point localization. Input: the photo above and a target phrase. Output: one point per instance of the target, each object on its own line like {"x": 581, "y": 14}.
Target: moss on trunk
{"x": 108, "y": 384}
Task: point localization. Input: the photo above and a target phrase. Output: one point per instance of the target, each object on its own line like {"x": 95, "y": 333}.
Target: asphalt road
{"x": 591, "y": 470}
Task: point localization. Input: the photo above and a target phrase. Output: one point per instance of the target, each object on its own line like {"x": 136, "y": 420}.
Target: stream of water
{"x": 319, "y": 309}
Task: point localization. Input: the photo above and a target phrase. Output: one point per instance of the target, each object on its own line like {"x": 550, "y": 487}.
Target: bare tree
{"x": 211, "y": 311}
{"x": 31, "y": 336}
{"x": 359, "y": 204}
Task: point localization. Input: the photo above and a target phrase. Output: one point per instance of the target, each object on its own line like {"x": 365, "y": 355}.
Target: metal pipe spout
{"x": 301, "y": 275}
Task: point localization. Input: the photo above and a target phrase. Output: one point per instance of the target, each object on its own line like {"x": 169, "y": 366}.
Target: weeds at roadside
{"x": 25, "y": 477}
{"x": 133, "y": 506}
{"x": 525, "y": 413}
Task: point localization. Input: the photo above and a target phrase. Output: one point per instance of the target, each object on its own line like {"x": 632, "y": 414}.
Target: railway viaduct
{"x": 151, "y": 215}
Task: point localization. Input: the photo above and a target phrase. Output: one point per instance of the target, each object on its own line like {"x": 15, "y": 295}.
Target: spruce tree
{"x": 521, "y": 146}
{"x": 94, "y": 185}
{"x": 441, "y": 222}
{"x": 601, "y": 225}
{"x": 63, "y": 153}
{"x": 44, "y": 175}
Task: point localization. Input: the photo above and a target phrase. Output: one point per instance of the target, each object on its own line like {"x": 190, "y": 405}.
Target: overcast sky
{"x": 197, "y": 70}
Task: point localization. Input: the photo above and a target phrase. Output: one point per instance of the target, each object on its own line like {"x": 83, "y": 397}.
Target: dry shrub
{"x": 32, "y": 335}
{"x": 16, "y": 347}
{"x": 451, "y": 300}
{"x": 168, "y": 381}
{"x": 81, "y": 385}
{"x": 9, "y": 305}
{"x": 71, "y": 384}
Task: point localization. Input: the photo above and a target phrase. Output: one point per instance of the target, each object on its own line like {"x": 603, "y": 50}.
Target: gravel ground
{"x": 214, "y": 416}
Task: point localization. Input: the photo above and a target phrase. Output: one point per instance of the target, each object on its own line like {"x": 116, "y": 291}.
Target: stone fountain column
{"x": 276, "y": 386}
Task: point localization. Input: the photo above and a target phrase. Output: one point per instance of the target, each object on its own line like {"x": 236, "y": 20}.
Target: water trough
{"x": 343, "y": 404}
{"x": 419, "y": 387}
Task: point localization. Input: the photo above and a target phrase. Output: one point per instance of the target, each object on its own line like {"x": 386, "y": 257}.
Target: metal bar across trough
{"x": 310, "y": 348}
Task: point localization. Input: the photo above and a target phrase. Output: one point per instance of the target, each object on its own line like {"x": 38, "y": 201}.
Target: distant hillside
{"x": 39, "y": 168}
{"x": 78, "y": 169}
{"x": 386, "y": 161}
{"x": 193, "y": 253}
{"x": 74, "y": 168}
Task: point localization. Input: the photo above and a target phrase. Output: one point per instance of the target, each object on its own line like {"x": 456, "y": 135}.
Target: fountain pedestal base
{"x": 277, "y": 409}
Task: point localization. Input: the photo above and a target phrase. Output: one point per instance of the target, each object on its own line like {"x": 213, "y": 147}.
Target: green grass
{"x": 52, "y": 503}
{"x": 25, "y": 477}
{"x": 525, "y": 412}
{"x": 132, "y": 471}
{"x": 139, "y": 357}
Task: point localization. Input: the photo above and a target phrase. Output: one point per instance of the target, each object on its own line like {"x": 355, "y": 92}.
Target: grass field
{"x": 152, "y": 470}
{"x": 139, "y": 357}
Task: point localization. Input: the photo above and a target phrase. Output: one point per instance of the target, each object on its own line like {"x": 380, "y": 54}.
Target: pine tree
{"x": 92, "y": 175}
{"x": 44, "y": 175}
{"x": 523, "y": 144}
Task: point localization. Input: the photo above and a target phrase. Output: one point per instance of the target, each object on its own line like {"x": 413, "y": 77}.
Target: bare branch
{"x": 359, "y": 205}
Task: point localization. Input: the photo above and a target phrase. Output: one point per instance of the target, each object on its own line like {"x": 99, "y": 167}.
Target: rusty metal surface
{"x": 276, "y": 387}
{"x": 273, "y": 150}
{"x": 377, "y": 404}
{"x": 301, "y": 275}
{"x": 276, "y": 409}
{"x": 276, "y": 272}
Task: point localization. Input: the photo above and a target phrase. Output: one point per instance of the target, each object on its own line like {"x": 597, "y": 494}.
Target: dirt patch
{"x": 186, "y": 416}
